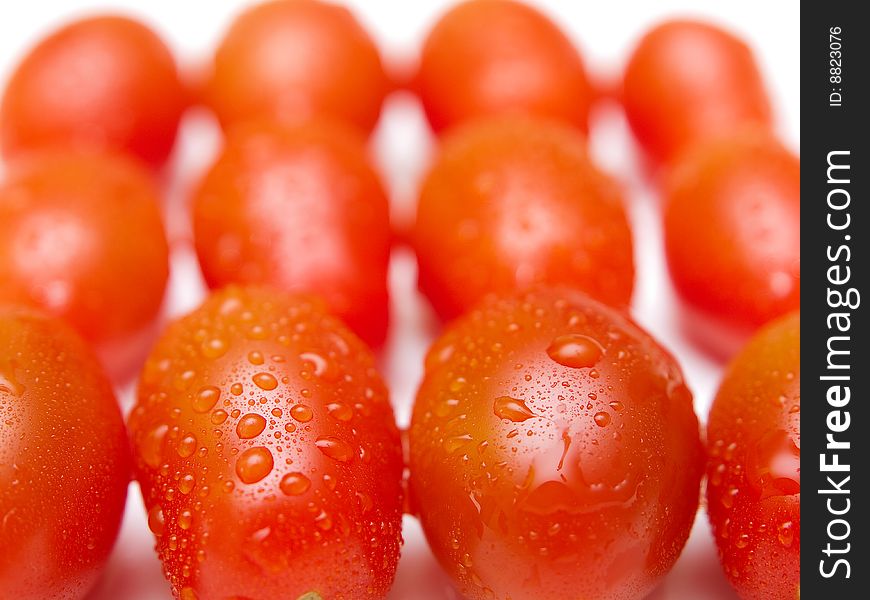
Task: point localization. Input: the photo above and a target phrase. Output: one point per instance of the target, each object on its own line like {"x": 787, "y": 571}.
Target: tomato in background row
{"x": 554, "y": 451}
{"x": 486, "y": 57}
{"x": 294, "y": 60}
{"x": 107, "y": 83}
{"x": 64, "y": 461}
{"x": 753, "y": 476}
{"x": 514, "y": 201}
{"x": 81, "y": 237}
{"x": 299, "y": 209}
{"x": 267, "y": 452}
{"x": 732, "y": 236}
{"x": 688, "y": 81}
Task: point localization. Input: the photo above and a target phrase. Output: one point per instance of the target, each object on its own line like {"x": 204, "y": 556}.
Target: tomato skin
{"x": 732, "y": 230}
{"x": 511, "y": 202}
{"x": 74, "y": 230}
{"x": 294, "y": 60}
{"x": 134, "y": 105}
{"x": 61, "y": 508}
{"x": 298, "y": 209}
{"x": 688, "y": 81}
{"x": 260, "y": 387}
{"x": 548, "y": 431}
{"x": 753, "y": 475}
{"x": 473, "y": 58}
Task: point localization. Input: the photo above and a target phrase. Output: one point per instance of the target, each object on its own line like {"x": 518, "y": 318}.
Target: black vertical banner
{"x": 835, "y": 192}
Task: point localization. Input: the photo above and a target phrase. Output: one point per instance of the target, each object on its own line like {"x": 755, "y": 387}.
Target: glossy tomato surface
{"x": 299, "y": 209}
{"x": 81, "y": 237}
{"x": 515, "y": 201}
{"x": 753, "y": 475}
{"x": 268, "y": 455}
{"x": 486, "y": 57}
{"x": 554, "y": 451}
{"x": 291, "y": 60}
{"x": 688, "y": 81}
{"x": 106, "y": 82}
{"x": 732, "y": 232}
{"x": 64, "y": 461}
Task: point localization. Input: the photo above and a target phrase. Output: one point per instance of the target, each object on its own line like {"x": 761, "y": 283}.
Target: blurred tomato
{"x": 299, "y": 209}
{"x": 292, "y": 60}
{"x": 64, "y": 461}
{"x": 267, "y": 452}
{"x": 554, "y": 452}
{"x": 493, "y": 56}
{"x": 688, "y": 81}
{"x": 81, "y": 237}
{"x": 753, "y": 476}
{"x": 513, "y": 201}
{"x": 104, "y": 82}
{"x": 732, "y": 232}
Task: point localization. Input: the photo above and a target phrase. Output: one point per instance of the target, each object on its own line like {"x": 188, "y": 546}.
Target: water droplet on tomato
{"x": 206, "y": 398}
{"x": 214, "y": 348}
{"x": 456, "y": 442}
{"x": 265, "y": 381}
{"x": 186, "y": 446}
{"x": 334, "y": 448}
{"x": 254, "y": 464}
{"x": 785, "y": 533}
{"x": 294, "y": 484}
{"x": 340, "y": 411}
{"x": 602, "y": 419}
{"x": 250, "y": 426}
{"x": 152, "y": 444}
{"x": 186, "y": 484}
{"x": 512, "y": 409}
{"x": 301, "y": 413}
{"x": 575, "y": 351}
{"x": 155, "y": 519}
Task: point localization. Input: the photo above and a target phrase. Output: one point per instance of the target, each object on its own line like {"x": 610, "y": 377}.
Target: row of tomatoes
{"x": 553, "y": 452}
{"x": 549, "y": 432}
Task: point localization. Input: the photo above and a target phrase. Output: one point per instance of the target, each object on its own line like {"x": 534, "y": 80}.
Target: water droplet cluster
{"x": 753, "y": 471}
{"x": 262, "y": 430}
{"x": 550, "y": 431}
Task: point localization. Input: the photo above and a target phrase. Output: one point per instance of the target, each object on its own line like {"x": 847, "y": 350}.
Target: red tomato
{"x": 269, "y": 460}
{"x": 106, "y": 82}
{"x": 298, "y": 209}
{"x": 732, "y": 232}
{"x": 688, "y": 81}
{"x": 515, "y": 201}
{"x": 493, "y": 56}
{"x": 64, "y": 461}
{"x": 554, "y": 452}
{"x": 754, "y": 476}
{"x": 81, "y": 237}
{"x": 292, "y": 60}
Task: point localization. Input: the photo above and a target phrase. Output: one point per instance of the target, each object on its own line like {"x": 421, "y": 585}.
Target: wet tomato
{"x": 291, "y": 60}
{"x": 688, "y": 81}
{"x": 106, "y": 82}
{"x": 554, "y": 452}
{"x": 64, "y": 460}
{"x": 753, "y": 475}
{"x": 514, "y": 201}
{"x": 492, "y": 56}
{"x": 299, "y": 209}
{"x": 81, "y": 237}
{"x": 268, "y": 456}
{"x": 732, "y": 236}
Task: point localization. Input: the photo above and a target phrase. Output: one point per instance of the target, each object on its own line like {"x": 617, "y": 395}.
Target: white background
{"x": 605, "y": 32}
